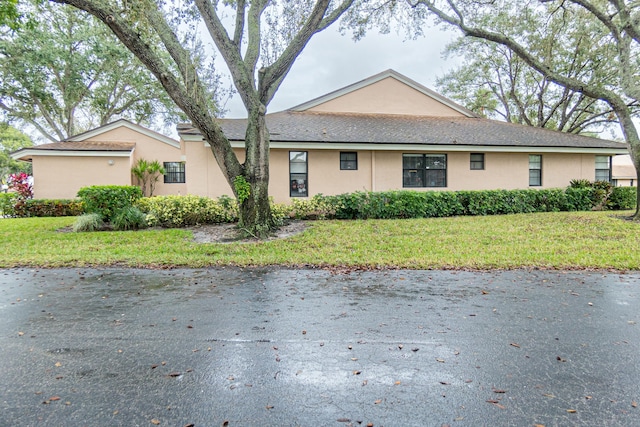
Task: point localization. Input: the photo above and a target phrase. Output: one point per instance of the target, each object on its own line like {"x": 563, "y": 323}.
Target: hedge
{"x": 429, "y": 204}
{"x": 181, "y": 211}
{"x": 14, "y": 207}
{"x": 622, "y": 198}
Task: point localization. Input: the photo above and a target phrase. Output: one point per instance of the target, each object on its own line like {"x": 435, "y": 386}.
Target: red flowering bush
{"x": 20, "y": 183}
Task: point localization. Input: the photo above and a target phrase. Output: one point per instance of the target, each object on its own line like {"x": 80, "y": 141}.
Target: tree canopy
{"x": 65, "y": 73}
{"x": 496, "y": 83}
{"x": 9, "y": 15}
{"x": 11, "y": 139}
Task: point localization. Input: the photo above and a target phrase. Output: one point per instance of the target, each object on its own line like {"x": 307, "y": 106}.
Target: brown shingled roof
{"x": 289, "y": 126}
{"x": 86, "y": 146}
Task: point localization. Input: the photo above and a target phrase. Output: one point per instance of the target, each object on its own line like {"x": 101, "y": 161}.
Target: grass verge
{"x": 565, "y": 240}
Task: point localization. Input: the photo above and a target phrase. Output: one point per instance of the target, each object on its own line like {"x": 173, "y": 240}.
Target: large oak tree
{"x": 259, "y": 40}
{"x": 612, "y": 68}
{"x": 494, "y": 82}
{"x": 62, "y": 73}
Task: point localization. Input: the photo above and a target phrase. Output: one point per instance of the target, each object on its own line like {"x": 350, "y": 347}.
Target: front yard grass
{"x": 564, "y": 240}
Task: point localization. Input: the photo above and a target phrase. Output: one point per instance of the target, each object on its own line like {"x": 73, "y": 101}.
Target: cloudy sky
{"x": 331, "y": 61}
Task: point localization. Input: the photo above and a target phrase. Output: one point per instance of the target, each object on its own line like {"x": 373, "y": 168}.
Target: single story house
{"x": 102, "y": 156}
{"x": 623, "y": 172}
{"x": 386, "y": 132}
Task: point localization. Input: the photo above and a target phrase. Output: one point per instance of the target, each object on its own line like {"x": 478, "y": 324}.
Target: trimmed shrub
{"x": 429, "y": 204}
{"x": 579, "y": 198}
{"x": 88, "y": 222}
{"x": 181, "y": 211}
{"x": 106, "y": 200}
{"x": 7, "y": 201}
{"x": 129, "y": 218}
{"x": 45, "y": 207}
{"x": 622, "y": 198}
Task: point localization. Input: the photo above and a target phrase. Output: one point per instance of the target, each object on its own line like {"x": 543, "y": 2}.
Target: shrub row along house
{"x": 386, "y": 132}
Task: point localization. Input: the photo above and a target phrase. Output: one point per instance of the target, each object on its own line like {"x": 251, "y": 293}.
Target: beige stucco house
{"x": 102, "y": 156}
{"x": 386, "y": 132}
{"x": 623, "y": 172}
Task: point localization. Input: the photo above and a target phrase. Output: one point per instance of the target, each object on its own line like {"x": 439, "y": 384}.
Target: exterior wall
{"x": 623, "y": 171}
{"x": 203, "y": 176}
{"x": 57, "y": 177}
{"x": 559, "y": 169}
{"x": 382, "y": 171}
{"x": 388, "y": 96}
{"x": 150, "y": 149}
{"x": 506, "y": 171}
{"x": 624, "y": 182}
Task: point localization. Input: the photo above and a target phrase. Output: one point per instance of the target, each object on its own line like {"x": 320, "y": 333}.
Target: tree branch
{"x": 196, "y": 112}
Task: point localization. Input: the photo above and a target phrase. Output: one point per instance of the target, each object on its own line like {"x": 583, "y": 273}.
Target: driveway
{"x": 277, "y": 347}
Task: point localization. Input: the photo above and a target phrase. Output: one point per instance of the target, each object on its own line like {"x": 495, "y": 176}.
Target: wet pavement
{"x": 277, "y": 347}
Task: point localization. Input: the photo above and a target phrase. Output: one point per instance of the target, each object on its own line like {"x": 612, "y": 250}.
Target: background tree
{"x": 9, "y": 15}
{"x": 11, "y": 139}
{"x": 591, "y": 47}
{"x": 610, "y": 70}
{"x": 259, "y": 44}
{"x": 65, "y": 73}
{"x": 496, "y": 83}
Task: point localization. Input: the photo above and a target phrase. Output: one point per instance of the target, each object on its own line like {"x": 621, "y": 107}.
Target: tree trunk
{"x": 633, "y": 139}
{"x": 252, "y": 188}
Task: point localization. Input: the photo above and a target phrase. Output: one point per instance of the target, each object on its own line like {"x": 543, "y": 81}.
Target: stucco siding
{"x": 204, "y": 176}
{"x": 61, "y": 177}
{"x": 505, "y": 171}
{"x": 149, "y": 149}
{"x": 388, "y": 96}
{"x": 559, "y": 169}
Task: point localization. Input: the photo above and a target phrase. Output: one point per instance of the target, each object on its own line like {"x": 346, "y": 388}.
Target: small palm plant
{"x": 147, "y": 174}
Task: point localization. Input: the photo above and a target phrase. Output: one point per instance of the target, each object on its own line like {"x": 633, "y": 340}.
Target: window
{"x": 535, "y": 170}
{"x": 298, "y": 174}
{"x": 477, "y": 161}
{"x": 603, "y": 168}
{"x": 348, "y": 160}
{"x": 424, "y": 170}
{"x": 174, "y": 172}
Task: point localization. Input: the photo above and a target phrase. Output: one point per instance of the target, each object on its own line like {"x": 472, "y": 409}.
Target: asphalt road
{"x": 276, "y": 347}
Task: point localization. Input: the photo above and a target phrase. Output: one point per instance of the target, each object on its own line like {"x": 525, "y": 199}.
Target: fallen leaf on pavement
{"x": 496, "y": 403}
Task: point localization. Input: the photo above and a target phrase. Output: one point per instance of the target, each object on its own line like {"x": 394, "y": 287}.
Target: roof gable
{"x": 127, "y": 124}
{"x": 388, "y": 92}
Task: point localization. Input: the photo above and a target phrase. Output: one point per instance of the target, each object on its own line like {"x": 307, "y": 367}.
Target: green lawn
{"x": 599, "y": 240}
